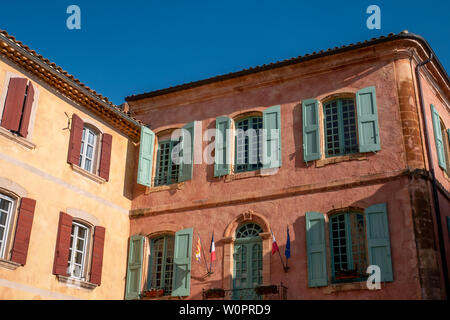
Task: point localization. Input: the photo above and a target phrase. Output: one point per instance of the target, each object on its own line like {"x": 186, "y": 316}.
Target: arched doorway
{"x": 248, "y": 261}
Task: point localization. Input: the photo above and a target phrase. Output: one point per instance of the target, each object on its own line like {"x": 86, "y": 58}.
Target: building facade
{"x": 345, "y": 150}
{"x": 331, "y": 146}
{"x": 64, "y": 190}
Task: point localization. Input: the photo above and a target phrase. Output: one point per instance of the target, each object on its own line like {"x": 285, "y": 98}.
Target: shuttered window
{"x": 161, "y": 264}
{"x": 18, "y": 105}
{"x": 72, "y": 251}
{"x": 24, "y": 222}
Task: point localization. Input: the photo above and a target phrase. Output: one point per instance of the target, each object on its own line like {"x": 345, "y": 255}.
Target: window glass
{"x": 167, "y": 169}
{"x": 88, "y": 145}
{"x": 6, "y": 206}
{"x": 162, "y": 251}
{"x": 77, "y": 250}
{"x": 249, "y": 144}
{"x": 348, "y": 246}
{"x": 340, "y": 127}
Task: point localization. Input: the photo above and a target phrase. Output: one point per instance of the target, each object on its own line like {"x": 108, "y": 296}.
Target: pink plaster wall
{"x": 287, "y": 87}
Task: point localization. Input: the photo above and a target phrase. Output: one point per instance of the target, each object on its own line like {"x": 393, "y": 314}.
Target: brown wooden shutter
{"x": 62, "y": 244}
{"x": 23, "y": 230}
{"x": 76, "y": 132}
{"x": 14, "y": 103}
{"x": 23, "y": 131}
{"x": 105, "y": 158}
{"x": 97, "y": 255}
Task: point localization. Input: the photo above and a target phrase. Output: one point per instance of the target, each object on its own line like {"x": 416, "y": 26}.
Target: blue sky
{"x": 132, "y": 47}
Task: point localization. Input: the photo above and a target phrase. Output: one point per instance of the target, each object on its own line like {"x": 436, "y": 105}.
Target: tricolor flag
{"x": 287, "y": 251}
{"x": 198, "y": 256}
{"x": 274, "y": 244}
{"x": 212, "y": 249}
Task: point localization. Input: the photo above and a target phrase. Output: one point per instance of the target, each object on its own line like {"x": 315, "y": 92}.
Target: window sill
{"x": 174, "y": 186}
{"x": 343, "y": 287}
{"x": 76, "y": 283}
{"x": 338, "y": 159}
{"x": 88, "y": 174}
{"x": 17, "y": 139}
{"x": 10, "y": 265}
{"x": 260, "y": 173}
{"x": 162, "y": 298}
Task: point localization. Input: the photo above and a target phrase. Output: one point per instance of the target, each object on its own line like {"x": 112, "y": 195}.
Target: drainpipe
{"x": 437, "y": 210}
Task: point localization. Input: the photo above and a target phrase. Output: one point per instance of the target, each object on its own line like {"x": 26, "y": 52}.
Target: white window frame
{"x": 71, "y": 262}
{"x": 4, "y": 241}
{"x": 84, "y": 146}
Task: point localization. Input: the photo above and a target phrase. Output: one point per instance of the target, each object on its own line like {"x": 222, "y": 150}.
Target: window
{"x": 248, "y": 262}
{"x": 249, "y": 144}
{"x": 167, "y": 169}
{"x": 79, "y": 238}
{"x": 340, "y": 127}
{"x": 161, "y": 264}
{"x": 18, "y": 105}
{"x": 88, "y": 149}
{"x": 445, "y": 142}
{"x": 350, "y": 125}
{"x": 348, "y": 247}
{"x": 6, "y": 211}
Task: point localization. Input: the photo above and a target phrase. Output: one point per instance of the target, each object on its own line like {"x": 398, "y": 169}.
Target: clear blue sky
{"x": 131, "y": 47}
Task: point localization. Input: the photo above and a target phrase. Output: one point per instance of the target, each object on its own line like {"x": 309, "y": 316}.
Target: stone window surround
{"x": 17, "y": 192}
{"x": 228, "y": 246}
{"x": 89, "y": 221}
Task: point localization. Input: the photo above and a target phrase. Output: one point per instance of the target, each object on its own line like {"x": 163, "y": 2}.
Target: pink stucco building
{"x": 359, "y": 132}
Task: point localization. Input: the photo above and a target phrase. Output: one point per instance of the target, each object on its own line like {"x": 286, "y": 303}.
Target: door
{"x": 247, "y": 262}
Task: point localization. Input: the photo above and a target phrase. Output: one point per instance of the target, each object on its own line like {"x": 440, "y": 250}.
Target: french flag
{"x": 274, "y": 244}
{"x": 212, "y": 249}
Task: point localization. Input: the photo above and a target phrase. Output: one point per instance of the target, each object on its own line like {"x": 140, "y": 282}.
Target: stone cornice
{"x": 271, "y": 194}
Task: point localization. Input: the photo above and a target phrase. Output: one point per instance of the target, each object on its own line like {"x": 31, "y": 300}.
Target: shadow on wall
{"x": 130, "y": 172}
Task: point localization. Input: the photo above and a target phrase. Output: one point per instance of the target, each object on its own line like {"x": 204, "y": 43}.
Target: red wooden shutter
{"x": 97, "y": 255}
{"x": 76, "y": 132}
{"x": 27, "y": 111}
{"x": 62, "y": 244}
{"x": 14, "y": 103}
{"x": 23, "y": 231}
{"x": 105, "y": 158}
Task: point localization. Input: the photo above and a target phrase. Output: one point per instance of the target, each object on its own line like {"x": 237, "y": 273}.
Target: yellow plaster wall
{"x": 47, "y": 177}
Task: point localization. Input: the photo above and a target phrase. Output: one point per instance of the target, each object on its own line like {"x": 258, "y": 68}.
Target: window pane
{"x": 4, "y": 205}
{"x": 3, "y": 217}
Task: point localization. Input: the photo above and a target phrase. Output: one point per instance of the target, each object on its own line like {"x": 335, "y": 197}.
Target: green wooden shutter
{"x": 187, "y": 158}
{"x": 378, "y": 243}
{"x": 272, "y": 134}
{"x": 311, "y": 130}
{"x": 181, "y": 285}
{"x": 316, "y": 249}
{"x": 134, "y": 270}
{"x": 222, "y": 162}
{"x": 448, "y": 136}
{"x": 146, "y": 148}
{"x": 369, "y": 133}
{"x": 438, "y": 138}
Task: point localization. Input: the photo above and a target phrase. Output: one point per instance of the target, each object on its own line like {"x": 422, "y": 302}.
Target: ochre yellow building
{"x": 60, "y": 217}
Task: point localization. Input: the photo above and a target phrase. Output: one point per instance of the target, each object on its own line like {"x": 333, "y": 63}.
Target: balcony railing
{"x": 271, "y": 292}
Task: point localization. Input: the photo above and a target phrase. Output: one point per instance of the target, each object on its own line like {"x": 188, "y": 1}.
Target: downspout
{"x": 437, "y": 210}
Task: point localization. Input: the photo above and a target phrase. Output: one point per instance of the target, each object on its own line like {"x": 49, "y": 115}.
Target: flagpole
{"x": 210, "y": 257}
{"x": 203, "y": 250}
